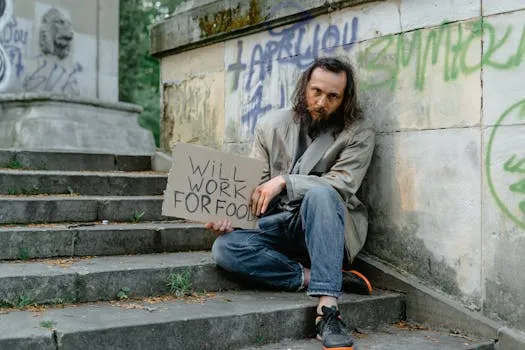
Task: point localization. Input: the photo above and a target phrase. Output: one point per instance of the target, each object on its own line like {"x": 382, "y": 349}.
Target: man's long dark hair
{"x": 347, "y": 112}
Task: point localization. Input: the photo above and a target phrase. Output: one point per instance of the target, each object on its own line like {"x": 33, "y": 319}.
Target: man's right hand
{"x": 220, "y": 227}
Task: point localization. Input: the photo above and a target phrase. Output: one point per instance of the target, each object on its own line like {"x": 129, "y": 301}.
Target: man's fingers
{"x": 253, "y": 204}
{"x": 255, "y": 200}
{"x": 264, "y": 205}
{"x": 219, "y": 227}
{"x": 260, "y": 202}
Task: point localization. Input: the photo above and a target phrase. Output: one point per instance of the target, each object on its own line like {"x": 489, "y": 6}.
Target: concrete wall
{"x": 446, "y": 188}
{"x": 87, "y": 67}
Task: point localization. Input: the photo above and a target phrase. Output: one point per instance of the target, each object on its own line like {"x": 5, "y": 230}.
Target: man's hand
{"x": 264, "y": 193}
{"x": 220, "y": 227}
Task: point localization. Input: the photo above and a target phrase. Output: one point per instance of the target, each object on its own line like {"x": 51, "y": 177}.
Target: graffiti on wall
{"x": 296, "y": 46}
{"x": 454, "y": 47}
{"x": 388, "y": 55}
{"x": 507, "y": 180}
{"x": 52, "y": 76}
{"x": 55, "y": 41}
{"x": 5, "y": 64}
{"x": 384, "y": 58}
{"x": 14, "y": 40}
{"x": 47, "y": 71}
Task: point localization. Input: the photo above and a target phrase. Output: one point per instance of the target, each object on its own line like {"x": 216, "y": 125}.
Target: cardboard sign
{"x": 208, "y": 185}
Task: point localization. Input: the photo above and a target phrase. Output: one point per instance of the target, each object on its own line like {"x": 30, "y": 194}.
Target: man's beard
{"x": 323, "y": 122}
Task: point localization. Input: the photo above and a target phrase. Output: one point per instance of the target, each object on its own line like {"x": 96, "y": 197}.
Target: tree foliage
{"x": 138, "y": 70}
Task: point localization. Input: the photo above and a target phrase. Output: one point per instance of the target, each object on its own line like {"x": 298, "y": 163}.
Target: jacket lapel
{"x": 292, "y": 135}
{"x": 316, "y": 150}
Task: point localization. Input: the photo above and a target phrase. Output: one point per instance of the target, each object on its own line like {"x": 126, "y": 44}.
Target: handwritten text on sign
{"x": 208, "y": 185}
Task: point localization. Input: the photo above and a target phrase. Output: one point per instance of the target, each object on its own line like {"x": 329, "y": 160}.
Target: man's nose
{"x": 321, "y": 101}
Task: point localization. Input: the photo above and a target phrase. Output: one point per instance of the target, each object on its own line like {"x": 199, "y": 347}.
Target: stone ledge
{"x": 510, "y": 339}
{"x": 426, "y": 305}
{"x": 32, "y": 97}
{"x": 43, "y": 121}
{"x": 226, "y": 320}
{"x": 209, "y": 22}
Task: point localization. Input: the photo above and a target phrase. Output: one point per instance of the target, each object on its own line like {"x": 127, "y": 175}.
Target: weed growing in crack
{"x": 123, "y": 294}
{"x": 48, "y": 324}
{"x": 137, "y": 216}
{"x": 23, "y": 253}
{"x": 14, "y": 164}
{"x": 19, "y": 302}
{"x": 23, "y": 301}
{"x": 27, "y": 191}
{"x": 70, "y": 191}
{"x": 180, "y": 283}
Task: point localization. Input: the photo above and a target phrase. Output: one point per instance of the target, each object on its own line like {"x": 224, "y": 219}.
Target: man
{"x": 311, "y": 223}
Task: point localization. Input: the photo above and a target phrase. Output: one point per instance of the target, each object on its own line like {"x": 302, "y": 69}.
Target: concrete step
{"x": 88, "y": 239}
{"x": 53, "y": 281}
{"x": 32, "y": 182}
{"x": 71, "y": 208}
{"x": 38, "y": 160}
{"x": 393, "y": 337}
{"x": 229, "y": 320}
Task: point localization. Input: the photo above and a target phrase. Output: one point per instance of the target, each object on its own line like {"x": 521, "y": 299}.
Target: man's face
{"x": 324, "y": 93}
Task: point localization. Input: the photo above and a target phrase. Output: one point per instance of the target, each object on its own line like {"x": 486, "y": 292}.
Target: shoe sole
{"x": 361, "y": 276}
{"x": 338, "y": 348}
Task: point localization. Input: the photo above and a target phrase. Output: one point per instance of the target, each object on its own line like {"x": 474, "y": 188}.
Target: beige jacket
{"x": 341, "y": 163}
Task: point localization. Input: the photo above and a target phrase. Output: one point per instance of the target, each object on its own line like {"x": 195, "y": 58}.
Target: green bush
{"x": 138, "y": 70}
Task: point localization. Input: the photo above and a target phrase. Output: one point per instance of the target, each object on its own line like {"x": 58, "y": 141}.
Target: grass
{"x": 24, "y": 190}
{"x": 260, "y": 340}
{"x": 70, "y": 190}
{"x": 180, "y": 283}
{"x": 19, "y": 302}
{"x": 124, "y": 293}
{"x": 48, "y": 324}
{"x": 137, "y": 216}
{"x": 14, "y": 164}
{"x": 23, "y": 253}
{"x": 23, "y": 300}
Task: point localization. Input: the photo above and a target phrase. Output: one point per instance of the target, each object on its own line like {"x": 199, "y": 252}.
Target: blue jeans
{"x": 271, "y": 254}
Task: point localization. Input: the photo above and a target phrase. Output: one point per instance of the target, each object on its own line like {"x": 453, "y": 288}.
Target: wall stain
{"x": 505, "y": 299}
{"x": 225, "y": 21}
{"x": 401, "y": 247}
{"x": 190, "y": 112}
{"x": 395, "y": 225}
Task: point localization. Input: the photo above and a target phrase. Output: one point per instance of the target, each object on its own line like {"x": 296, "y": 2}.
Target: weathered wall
{"x": 443, "y": 82}
{"x": 62, "y": 46}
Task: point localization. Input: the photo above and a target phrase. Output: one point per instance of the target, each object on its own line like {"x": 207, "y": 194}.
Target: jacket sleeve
{"x": 260, "y": 151}
{"x": 345, "y": 175}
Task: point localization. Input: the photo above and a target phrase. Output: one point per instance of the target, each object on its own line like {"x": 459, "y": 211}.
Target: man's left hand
{"x": 264, "y": 193}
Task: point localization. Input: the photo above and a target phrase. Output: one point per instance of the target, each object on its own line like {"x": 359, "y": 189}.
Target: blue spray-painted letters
{"x": 288, "y": 46}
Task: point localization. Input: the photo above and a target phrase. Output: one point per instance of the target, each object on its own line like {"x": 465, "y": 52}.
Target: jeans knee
{"x": 322, "y": 195}
{"x": 322, "y": 203}
{"x": 219, "y": 250}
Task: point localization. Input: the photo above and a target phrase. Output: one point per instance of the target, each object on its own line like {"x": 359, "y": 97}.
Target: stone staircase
{"x": 88, "y": 262}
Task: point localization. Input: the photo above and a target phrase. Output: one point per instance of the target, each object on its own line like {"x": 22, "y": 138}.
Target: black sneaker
{"x": 355, "y": 282}
{"x": 332, "y": 331}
